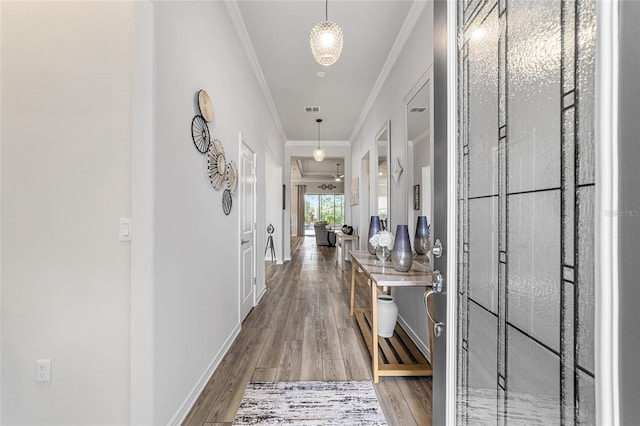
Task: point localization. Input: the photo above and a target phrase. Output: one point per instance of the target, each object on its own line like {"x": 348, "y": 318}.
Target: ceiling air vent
{"x": 418, "y": 109}
{"x": 311, "y": 109}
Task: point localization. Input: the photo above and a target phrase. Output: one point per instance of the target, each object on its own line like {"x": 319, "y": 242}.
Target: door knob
{"x": 244, "y": 242}
{"x": 437, "y": 249}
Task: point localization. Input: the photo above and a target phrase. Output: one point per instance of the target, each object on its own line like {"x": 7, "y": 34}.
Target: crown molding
{"x": 422, "y": 136}
{"x": 409, "y": 23}
{"x": 245, "y": 40}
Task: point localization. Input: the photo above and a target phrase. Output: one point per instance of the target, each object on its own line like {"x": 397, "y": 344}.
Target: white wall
{"x": 421, "y": 153}
{"x": 74, "y": 93}
{"x": 196, "y": 246}
{"x": 66, "y": 158}
{"x": 413, "y": 61}
{"x": 274, "y": 210}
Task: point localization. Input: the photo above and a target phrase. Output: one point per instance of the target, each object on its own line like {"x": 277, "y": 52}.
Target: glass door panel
{"x": 525, "y": 158}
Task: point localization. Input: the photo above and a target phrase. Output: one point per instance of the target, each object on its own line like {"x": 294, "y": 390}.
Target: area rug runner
{"x": 310, "y": 403}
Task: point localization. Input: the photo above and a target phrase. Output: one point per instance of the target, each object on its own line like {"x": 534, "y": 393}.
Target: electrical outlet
{"x": 43, "y": 371}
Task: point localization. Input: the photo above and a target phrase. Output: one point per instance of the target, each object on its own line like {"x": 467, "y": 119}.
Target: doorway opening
{"x": 327, "y": 208}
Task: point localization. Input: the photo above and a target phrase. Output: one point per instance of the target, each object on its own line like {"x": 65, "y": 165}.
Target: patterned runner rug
{"x": 310, "y": 403}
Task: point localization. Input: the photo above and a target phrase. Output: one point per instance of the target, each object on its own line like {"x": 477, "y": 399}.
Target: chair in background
{"x": 324, "y": 236}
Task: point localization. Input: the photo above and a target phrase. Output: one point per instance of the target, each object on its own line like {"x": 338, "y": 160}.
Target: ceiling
{"x": 418, "y": 113}
{"x": 308, "y": 169}
{"x": 278, "y": 33}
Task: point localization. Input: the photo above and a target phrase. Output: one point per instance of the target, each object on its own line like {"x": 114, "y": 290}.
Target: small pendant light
{"x": 318, "y": 152}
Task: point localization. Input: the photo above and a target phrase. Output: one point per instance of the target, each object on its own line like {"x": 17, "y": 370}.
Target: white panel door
{"x": 247, "y": 197}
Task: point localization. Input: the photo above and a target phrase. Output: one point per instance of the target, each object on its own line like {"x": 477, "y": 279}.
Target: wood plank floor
{"x": 301, "y": 330}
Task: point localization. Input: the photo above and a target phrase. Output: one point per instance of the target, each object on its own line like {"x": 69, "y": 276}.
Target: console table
{"x": 354, "y": 241}
{"x": 397, "y": 355}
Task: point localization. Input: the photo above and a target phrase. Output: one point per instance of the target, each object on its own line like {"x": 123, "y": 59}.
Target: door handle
{"x": 244, "y": 242}
{"x": 436, "y": 288}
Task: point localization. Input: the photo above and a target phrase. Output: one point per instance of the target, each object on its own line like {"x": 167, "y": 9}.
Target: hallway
{"x": 301, "y": 331}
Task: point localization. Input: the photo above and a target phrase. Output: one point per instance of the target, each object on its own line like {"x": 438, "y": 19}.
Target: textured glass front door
{"x": 526, "y": 186}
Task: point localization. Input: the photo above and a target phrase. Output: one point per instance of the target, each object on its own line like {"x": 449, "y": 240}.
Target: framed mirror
{"x": 366, "y": 193}
{"x": 419, "y": 151}
{"x": 383, "y": 148}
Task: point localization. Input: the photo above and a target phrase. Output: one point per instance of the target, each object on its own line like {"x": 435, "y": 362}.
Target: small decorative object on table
{"x": 347, "y": 229}
{"x": 374, "y": 228}
{"x": 383, "y": 242}
{"x": 421, "y": 241}
{"x": 402, "y": 255}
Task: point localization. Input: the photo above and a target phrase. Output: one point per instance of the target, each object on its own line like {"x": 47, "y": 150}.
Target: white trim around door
{"x": 606, "y": 232}
{"x": 452, "y": 280}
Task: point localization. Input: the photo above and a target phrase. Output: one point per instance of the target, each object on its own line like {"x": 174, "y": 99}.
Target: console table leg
{"x": 353, "y": 286}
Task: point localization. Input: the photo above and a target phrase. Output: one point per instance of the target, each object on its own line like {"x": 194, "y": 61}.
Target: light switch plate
{"x": 125, "y": 229}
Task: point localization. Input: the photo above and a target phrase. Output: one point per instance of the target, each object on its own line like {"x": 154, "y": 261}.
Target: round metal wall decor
{"x": 204, "y": 102}
{"x": 227, "y": 202}
{"x": 219, "y": 173}
{"x": 232, "y": 177}
{"x": 219, "y": 148}
{"x": 216, "y": 165}
{"x": 200, "y": 134}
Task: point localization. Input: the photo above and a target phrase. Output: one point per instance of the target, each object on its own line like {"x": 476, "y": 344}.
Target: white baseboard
{"x": 259, "y": 296}
{"x": 191, "y": 399}
{"x": 422, "y": 347}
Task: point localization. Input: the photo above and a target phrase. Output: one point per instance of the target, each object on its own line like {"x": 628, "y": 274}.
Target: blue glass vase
{"x": 402, "y": 255}
{"x": 421, "y": 240}
{"x": 374, "y": 228}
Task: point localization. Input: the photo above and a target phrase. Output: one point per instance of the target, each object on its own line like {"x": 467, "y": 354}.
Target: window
{"x": 323, "y": 207}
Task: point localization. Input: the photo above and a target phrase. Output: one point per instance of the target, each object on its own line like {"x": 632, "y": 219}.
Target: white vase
{"x": 387, "y": 315}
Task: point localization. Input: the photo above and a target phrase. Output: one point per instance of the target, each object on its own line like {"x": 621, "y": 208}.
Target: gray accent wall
{"x": 629, "y": 210}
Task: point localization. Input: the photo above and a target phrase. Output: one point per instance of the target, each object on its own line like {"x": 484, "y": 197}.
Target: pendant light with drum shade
{"x": 326, "y": 40}
{"x": 318, "y": 152}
